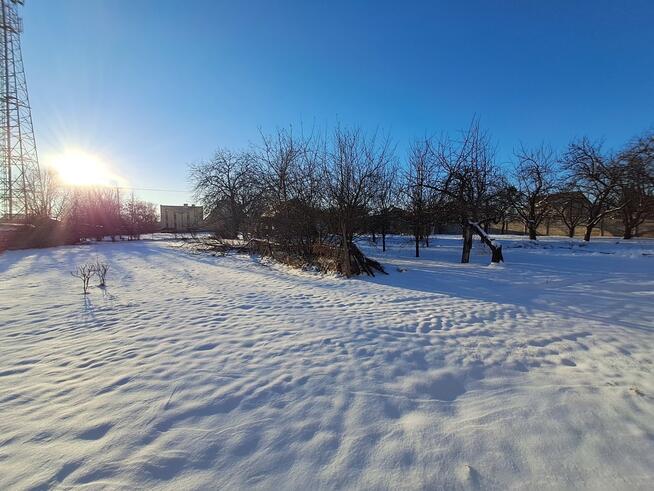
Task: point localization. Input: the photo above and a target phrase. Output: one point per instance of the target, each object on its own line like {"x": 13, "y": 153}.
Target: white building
{"x": 177, "y": 218}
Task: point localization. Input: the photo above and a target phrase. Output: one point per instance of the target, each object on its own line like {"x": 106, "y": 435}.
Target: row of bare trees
{"x": 585, "y": 185}
{"x": 93, "y": 212}
{"x": 299, "y": 190}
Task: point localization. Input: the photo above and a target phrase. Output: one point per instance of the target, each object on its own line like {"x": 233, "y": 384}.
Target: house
{"x": 175, "y": 218}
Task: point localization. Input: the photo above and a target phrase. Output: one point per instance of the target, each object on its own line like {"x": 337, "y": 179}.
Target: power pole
{"x": 19, "y": 164}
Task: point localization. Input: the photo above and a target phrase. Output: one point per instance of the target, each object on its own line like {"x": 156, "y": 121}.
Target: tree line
{"x": 303, "y": 192}
{"x": 83, "y": 212}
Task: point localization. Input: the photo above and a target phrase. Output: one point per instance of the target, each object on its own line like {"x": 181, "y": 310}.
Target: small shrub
{"x": 84, "y": 272}
{"x": 101, "y": 270}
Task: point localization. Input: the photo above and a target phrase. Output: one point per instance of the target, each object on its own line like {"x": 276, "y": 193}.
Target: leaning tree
{"x": 467, "y": 175}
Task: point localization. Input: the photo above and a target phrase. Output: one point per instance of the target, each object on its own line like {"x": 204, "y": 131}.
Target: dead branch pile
{"x": 328, "y": 256}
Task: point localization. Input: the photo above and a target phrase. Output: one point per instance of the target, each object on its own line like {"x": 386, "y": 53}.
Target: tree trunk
{"x": 628, "y": 232}
{"x": 496, "y": 250}
{"x": 571, "y": 231}
{"x": 532, "y": 232}
{"x": 363, "y": 264}
{"x": 589, "y": 232}
{"x": 467, "y": 243}
{"x": 417, "y": 245}
{"x": 347, "y": 269}
{"x": 383, "y": 241}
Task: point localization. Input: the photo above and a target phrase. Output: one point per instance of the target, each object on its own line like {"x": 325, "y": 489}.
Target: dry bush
{"x": 101, "y": 269}
{"x": 84, "y": 272}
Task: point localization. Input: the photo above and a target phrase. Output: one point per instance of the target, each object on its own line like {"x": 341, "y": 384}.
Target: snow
{"x": 192, "y": 371}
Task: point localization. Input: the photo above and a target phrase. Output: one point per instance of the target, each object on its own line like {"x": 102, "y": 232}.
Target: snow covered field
{"x": 194, "y": 371}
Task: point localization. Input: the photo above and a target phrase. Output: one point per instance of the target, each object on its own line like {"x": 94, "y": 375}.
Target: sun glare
{"x": 78, "y": 168}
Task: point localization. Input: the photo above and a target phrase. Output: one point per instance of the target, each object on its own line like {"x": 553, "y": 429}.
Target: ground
{"x": 191, "y": 371}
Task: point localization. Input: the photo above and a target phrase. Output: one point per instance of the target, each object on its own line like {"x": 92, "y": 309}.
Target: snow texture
{"x": 191, "y": 371}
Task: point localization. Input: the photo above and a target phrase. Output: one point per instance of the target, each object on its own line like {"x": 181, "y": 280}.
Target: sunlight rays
{"x": 76, "y": 167}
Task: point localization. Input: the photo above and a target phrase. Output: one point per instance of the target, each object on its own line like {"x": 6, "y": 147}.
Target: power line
{"x": 157, "y": 190}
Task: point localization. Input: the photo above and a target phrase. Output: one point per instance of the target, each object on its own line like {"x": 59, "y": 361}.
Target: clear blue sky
{"x": 154, "y": 85}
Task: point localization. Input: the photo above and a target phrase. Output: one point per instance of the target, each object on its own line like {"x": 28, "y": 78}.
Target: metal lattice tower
{"x": 19, "y": 167}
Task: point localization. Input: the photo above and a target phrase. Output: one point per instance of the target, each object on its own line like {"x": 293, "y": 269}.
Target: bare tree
{"x": 468, "y": 177}
{"x": 93, "y": 212}
{"x": 309, "y": 190}
{"x": 101, "y": 269}
{"x": 227, "y": 185}
{"x": 636, "y": 186}
{"x": 84, "y": 272}
{"x": 535, "y": 181}
{"x": 51, "y": 195}
{"x": 385, "y": 199}
{"x": 140, "y": 217}
{"x": 505, "y": 209}
{"x": 419, "y": 175}
{"x": 104, "y": 211}
{"x": 286, "y": 170}
{"x": 595, "y": 175}
{"x": 350, "y": 169}
{"x": 570, "y": 206}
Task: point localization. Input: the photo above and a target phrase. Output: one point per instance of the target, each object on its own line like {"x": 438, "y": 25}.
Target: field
{"x": 191, "y": 371}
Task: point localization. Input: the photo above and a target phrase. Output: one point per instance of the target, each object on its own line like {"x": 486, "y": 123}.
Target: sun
{"x": 79, "y": 168}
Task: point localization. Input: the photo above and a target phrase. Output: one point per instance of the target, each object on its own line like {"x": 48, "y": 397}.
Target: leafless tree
{"x": 505, "y": 209}
{"x": 535, "y": 181}
{"x": 140, "y": 217}
{"x": 288, "y": 168}
{"x": 228, "y": 187}
{"x": 351, "y": 166}
{"x": 570, "y": 206}
{"x": 84, "y": 272}
{"x": 104, "y": 209}
{"x": 635, "y": 189}
{"x": 468, "y": 176}
{"x": 419, "y": 193}
{"x": 93, "y": 212}
{"x": 101, "y": 269}
{"x": 385, "y": 200}
{"x": 596, "y": 175}
{"x": 51, "y": 196}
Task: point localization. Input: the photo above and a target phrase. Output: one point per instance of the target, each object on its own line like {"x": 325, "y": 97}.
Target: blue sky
{"x": 152, "y": 86}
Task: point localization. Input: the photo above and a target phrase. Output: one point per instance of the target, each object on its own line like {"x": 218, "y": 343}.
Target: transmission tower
{"x": 19, "y": 167}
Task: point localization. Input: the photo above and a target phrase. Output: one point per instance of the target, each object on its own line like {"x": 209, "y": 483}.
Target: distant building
{"x": 176, "y": 218}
